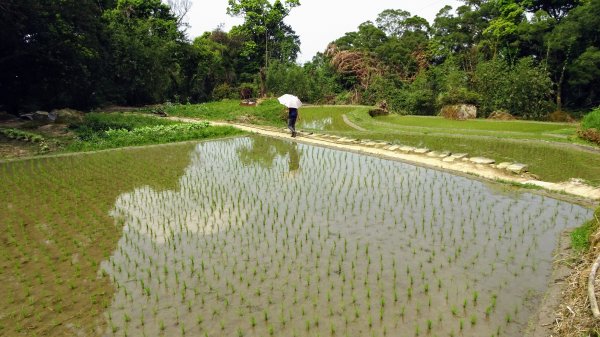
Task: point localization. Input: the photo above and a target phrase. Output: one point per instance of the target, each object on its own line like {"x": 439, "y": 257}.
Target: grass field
{"x": 552, "y": 150}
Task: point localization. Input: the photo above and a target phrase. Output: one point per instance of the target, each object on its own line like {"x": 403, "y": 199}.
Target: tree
{"x": 396, "y": 23}
{"x": 569, "y": 50}
{"x": 503, "y": 30}
{"x": 557, "y": 9}
{"x": 264, "y": 33}
{"x": 145, "y": 44}
{"x": 50, "y": 52}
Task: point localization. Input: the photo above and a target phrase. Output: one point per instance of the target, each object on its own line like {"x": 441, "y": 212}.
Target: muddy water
{"x": 265, "y": 237}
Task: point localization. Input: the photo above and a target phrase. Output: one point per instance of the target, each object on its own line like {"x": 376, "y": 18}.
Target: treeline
{"x": 89, "y": 53}
{"x": 525, "y": 57}
{"x": 529, "y": 58}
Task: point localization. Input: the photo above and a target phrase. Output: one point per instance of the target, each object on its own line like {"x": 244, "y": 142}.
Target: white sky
{"x": 317, "y": 22}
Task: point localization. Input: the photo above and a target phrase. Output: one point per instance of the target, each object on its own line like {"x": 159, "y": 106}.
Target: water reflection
{"x": 263, "y": 151}
{"x": 358, "y": 244}
{"x": 317, "y": 123}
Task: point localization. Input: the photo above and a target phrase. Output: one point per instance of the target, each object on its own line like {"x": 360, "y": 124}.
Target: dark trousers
{"x": 292, "y": 123}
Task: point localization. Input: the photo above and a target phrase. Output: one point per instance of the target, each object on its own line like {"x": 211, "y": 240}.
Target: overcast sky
{"x": 317, "y": 22}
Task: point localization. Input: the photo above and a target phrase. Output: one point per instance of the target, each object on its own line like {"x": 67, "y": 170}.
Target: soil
{"x": 542, "y": 322}
{"x": 55, "y": 135}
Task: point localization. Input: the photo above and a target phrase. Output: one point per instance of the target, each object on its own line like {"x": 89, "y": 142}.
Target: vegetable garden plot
{"x": 265, "y": 237}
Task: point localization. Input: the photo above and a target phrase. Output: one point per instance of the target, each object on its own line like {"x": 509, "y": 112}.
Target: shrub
{"x": 581, "y": 237}
{"x": 223, "y": 91}
{"x": 458, "y": 96}
{"x": 523, "y": 89}
{"x": 590, "y": 126}
{"x": 418, "y": 98}
{"x": 560, "y": 116}
{"x": 591, "y": 120}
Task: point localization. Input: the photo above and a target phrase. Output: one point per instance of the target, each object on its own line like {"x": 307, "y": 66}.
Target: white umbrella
{"x": 290, "y": 101}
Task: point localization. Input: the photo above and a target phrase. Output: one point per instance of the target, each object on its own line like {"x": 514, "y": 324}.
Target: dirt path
{"x": 352, "y": 125}
{"x": 589, "y": 194}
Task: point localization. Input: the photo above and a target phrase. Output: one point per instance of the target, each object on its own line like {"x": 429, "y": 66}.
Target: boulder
{"x": 459, "y": 111}
{"x": 459, "y": 155}
{"x": 422, "y": 150}
{"x": 248, "y": 102}
{"x": 407, "y": 149}
{"x": 41, "y": 115}
{"x": 378, "y": 112}
{"x": 66, "y": 114}
{"x": 517, "y": 168}
{"x": 503, "y": 165}
{"x": 501, "y": 115}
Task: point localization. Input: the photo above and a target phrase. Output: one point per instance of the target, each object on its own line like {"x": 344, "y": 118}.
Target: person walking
{"x": 293, "y": 103}
{"x": 292, "y": 117}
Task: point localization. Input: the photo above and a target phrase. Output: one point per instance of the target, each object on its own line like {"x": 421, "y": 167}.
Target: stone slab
{"x": 459, "y": 155}
{"x": 517, "y": 168}
{"x": 503, "y": 165}
{"x": 407, "y": 149}
{"x": 422, "y": 150}
{"x": 482, "y": 160}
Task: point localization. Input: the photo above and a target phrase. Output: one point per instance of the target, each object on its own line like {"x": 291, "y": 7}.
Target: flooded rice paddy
{"x": 257, "y": 237}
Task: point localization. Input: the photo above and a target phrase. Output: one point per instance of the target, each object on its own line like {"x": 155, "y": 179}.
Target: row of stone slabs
{"x": 445, "y": 156}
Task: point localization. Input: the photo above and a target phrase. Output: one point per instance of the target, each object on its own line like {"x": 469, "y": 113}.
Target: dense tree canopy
{"x": 527, "y": 57}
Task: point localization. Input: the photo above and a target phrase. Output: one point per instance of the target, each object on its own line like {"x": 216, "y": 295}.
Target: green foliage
{"x": 590, "y": 127}
{"x": 144, "y": 36}
{"x": 94, "y": 124}
{"x": 50, "y": 55}
{"x": 580, "y": 237}
{"x": 285, "y": 78}
{"x": 523, "y": 90}
{"x": 21, "y": 135}
{"x": 86, "y": 53}
{"x": 384, "y": 89}
{"x": 268, "y": 112}
{"x": 157, "y": 134}
{"x": 264, "y": 33}
{"x": 223, "y": 91}
{"x": 419, "y": 97}
{"x": 591, "y": 120}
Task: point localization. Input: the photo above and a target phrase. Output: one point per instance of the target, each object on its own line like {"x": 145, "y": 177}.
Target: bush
{"x": 523, "y": 89}
{"x": 590, "y": 126}
{"x": 458, "y": 96}
{"x": 418, "y": 98}
{"x": 223, "y": 91}
{"x": 591, "y": 120}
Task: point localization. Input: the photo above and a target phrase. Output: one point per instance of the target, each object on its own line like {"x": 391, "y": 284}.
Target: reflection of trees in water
{"x": 263, "y": 151}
